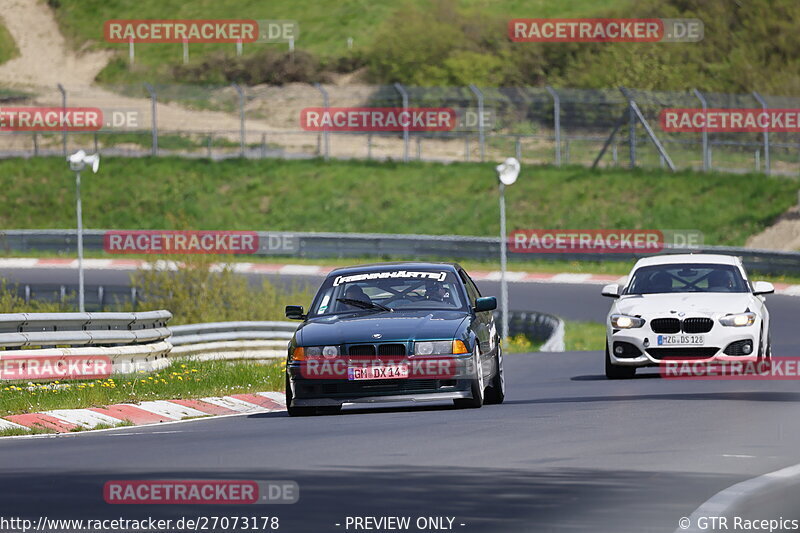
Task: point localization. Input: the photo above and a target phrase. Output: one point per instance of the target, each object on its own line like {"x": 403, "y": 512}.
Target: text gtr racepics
{"x": 686, "y": 307}
{"x": 394, "y": 332}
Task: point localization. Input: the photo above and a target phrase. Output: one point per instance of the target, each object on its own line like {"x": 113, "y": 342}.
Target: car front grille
{"x": 665, "y": 325}
{"x": 369, "y": 350}
{"x": 362, "y": 349}
{"x": 703, "y": 352}
{"x": 697, "y": 325}
{"x": 687, "y": 325}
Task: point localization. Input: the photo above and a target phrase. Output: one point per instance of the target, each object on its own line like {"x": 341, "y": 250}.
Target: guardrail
{"x": 132, "y": 341}
{"x": 324, "y": 245}
{"x": 143, "y": 342}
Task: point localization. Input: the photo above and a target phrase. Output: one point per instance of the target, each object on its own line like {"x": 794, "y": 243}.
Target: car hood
{"x": 689, "y": 303}
{"x": 397, "y": 326}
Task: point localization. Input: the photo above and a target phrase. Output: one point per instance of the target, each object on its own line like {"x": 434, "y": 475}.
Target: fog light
{"x": 618, "y": 350}
{"x": 646, "y": 343}
{"x": 747, "y": 348}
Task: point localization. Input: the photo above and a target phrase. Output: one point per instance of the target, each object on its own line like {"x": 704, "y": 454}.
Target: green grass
{"x": 353, "y": 196}
{"x": 8, "y": 48}
{"x": 325, "y": 25}
{"x": 581, "y": 336}
{"x": 183, "y": 379}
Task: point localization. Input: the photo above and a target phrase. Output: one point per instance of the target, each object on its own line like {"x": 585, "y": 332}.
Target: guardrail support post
{"x": 154, "y": 121}
{"x": 706, "y": 160}
{"x": 404, "y": 95}
{"x": 766, "y": 133}
{"x": 63, "y": 110}
{"x": 240, "y": 91}
{"x": 556, "y": 122}
{"x": 481, "y": 131}
{"x": 326, "y": 133}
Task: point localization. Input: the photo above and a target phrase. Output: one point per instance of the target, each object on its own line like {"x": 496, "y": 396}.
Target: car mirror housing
{"x": 295, "y": 312}
{"x": 611, "y": 290}
{"x": 488, "y": 303}
{"x": 763, "y": 287}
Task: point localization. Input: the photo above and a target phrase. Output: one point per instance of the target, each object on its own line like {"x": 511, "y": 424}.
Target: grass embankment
{"x": 8, "y": 48}
{"x": 181, "y": 380}
{"x": 429, "y": 198}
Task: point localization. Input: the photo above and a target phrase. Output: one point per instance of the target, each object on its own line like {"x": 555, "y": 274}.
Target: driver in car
{"x": 354, "y": 292}
{"x": 436, "y": 292}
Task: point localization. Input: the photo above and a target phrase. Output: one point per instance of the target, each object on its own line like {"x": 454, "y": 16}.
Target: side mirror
{"x": 611, "y": 290}
{"x": 295, "y": 312}
{"x": 488, "y": 303}
{"x": 763, "y": 287}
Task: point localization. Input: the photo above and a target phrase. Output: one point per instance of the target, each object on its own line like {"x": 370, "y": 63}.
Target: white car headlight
{"x": 738, "y": 320}
{"x": 433, "y": 347}
{"x": 626, "y": 321}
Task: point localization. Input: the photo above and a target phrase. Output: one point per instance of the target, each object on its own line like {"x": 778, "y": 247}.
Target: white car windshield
{"x": 685, "y": 277}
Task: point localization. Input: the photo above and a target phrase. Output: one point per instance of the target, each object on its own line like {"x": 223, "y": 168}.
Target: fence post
{"x": 636, "y": 114}
{"x": 704, "y": 104}
{"x": 481, "y": 134}
{"x": 556, "y": 122}
{"x": 240, "y": 91}
{"x": 64, "y": 111}
{"x": 151, "y": 90}
{"x": 404, "y": 95}
{"x": 325, "y": 104}
{"x": 35, "y": 145}
{"x": 766, "y": 134}
{"x": 631, "y": 129}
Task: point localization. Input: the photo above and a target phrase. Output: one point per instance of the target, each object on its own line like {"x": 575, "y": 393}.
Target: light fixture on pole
{"x": 507, "y": 173}
{"x": 78, "y": 162}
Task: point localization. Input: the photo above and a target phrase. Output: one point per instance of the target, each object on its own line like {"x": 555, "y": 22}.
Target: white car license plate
{"x": 377, "y": 372}
{"x": 681, "y": 340}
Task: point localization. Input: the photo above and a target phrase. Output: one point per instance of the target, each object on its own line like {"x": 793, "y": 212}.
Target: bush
{"x": 197, "y": 292}
{"x": 267, "y": 66}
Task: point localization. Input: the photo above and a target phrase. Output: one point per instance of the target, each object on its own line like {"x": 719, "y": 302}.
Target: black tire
{"x": 618, "y": 372}
{"x": 296, "y": 411}
{"x": 496, "y": 392}
{"x": 477, "y": 386}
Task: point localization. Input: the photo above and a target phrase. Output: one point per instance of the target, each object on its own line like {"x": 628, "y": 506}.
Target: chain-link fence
{"x": 604, "y": 127}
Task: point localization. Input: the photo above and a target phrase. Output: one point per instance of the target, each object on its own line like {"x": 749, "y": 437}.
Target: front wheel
{"x": 496, "y": 392}
{"x": 618, "y": 372}
{"x": 477, "y": 386}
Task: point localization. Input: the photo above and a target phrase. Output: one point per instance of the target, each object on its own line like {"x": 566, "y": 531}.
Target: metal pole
{"x": 766, "y": 133}
{"x": 632, "y": 134}
{"x": 481, "y": 132}
{"x": 185, "y": 51}
{"x": 241, "y": 117}
{"x": 404, "y": 95}
{"x": 556, "y": 122}
{"x": 131, "y": 53}
{"x": 81, "y": 307}
{"x": 706, "y": 165}
{"x": 152, "y": 93}
{"x": 503, "y": 281}
{"x": 325, "y": 104}
{"x": 64, "y": 111}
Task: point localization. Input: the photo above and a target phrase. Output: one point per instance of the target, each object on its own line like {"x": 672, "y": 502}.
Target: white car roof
{"x": 717, "y": 259}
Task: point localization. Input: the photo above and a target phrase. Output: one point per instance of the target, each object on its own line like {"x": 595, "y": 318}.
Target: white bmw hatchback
{"x": 685, "y": 307}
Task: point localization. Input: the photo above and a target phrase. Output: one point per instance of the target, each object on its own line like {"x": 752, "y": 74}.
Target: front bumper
{"x": 641, "y": 346}
{"x": 308, "y": 390}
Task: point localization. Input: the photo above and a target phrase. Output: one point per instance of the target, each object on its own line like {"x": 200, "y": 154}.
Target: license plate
{"x": 377, "y": 372}
{"x": 681, "y": 340}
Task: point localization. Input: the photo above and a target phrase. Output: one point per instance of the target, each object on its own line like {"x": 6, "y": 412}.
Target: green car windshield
{"x": 397, "y": 290}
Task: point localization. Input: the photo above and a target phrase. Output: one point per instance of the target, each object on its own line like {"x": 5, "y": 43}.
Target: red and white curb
{"x": 570, "y": 278}
{"x": 145, "y": 413}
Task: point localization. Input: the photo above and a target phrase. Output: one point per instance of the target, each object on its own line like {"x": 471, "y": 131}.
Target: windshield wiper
{"x": 364, "y": 305}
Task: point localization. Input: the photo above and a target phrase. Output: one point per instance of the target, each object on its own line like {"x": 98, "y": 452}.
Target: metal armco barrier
{"x": 142, "y": 341}
{"x": 408, "y": 247}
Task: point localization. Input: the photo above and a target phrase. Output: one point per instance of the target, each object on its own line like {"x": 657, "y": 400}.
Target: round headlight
{"x": 424, "y": 348}
{"x": 330, "y": 351}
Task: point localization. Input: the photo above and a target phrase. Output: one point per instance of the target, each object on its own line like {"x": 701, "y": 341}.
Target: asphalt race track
{"x": 569, "y": 451}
